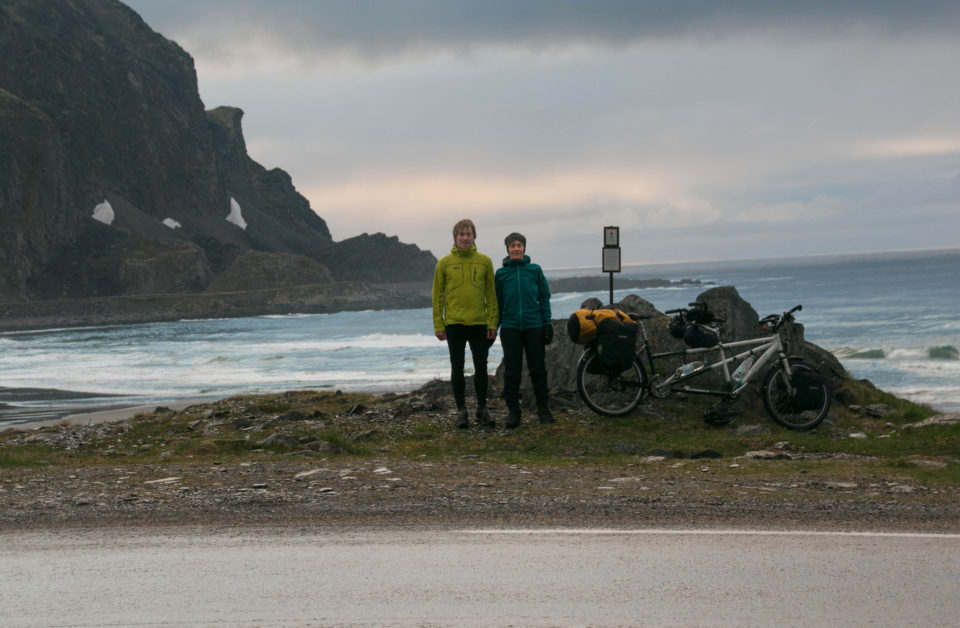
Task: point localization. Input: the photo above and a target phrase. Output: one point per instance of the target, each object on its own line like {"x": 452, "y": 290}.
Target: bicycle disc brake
{"x": 658, "y": 387}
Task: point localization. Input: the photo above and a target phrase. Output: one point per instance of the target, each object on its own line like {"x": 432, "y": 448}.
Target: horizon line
{"x": 635, "y": 265}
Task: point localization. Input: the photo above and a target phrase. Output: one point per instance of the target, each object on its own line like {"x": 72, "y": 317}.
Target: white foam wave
{"x": 290, "y": 316}
{"x": 887, "y": 353}
{"x": 907, "y": 354}
{"x": 773, "y": 279}
{"x": 370, "y": 341}
{"x": 941, "y": 398}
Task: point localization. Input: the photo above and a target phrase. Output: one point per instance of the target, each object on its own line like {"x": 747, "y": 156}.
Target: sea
{"x": 892, "y": 318}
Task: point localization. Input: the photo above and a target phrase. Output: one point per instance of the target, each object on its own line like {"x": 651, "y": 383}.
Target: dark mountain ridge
{"x": 100, "y": 114}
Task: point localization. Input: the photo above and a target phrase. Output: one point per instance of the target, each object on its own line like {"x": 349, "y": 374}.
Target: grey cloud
{"x": 380, "y": 28}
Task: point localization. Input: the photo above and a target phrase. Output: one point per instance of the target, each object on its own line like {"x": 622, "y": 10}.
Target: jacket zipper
{"x": 519, "y": 295}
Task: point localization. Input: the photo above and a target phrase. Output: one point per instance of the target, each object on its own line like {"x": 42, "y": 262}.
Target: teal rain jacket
{"x": 523, "y": 295}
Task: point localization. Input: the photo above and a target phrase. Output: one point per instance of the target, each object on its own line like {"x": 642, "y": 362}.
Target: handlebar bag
{"x": 616, "y": 344}
{"x": 582, "y": 324}
{"x": 677, "y": 326}
{"x": 808, "y": 385}
{"x": 700, "y": 336}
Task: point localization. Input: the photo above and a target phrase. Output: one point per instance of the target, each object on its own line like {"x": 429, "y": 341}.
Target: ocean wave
{"x": 57, "y": 330}
{"x": 771, "y": 279}
{"x": 370, "y": 342}
{"x": 867, "y": 354}
{"x": 289, "y": 316}
{"x": 911, "y": 353}
{"x": 945, "y": 352}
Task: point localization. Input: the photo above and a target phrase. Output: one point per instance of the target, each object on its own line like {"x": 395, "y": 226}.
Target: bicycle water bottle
{"x": 742, "y": 370}
{"x": 688, "y": 368}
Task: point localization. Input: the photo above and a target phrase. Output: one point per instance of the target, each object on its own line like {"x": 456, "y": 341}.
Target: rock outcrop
{"x": 738, "y": 321}
{"x": 377, "y": 258}
{"x": 256, "y": 270}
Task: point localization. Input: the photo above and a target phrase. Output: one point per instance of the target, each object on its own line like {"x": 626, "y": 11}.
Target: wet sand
{"x": 50, "y": 406}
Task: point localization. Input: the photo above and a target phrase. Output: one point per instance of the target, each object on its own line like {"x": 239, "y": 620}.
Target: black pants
{"x": 516, "y": 343}
{"x": 457, "y": 338}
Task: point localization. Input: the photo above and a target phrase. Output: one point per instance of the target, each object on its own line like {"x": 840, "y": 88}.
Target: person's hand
{"x": 491, "y": 334}
{"x": 442, "y": 336}
{"x": 547, "y": 334}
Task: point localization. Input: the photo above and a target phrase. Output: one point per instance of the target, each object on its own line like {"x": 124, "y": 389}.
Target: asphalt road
{"x": 473, "y": 576}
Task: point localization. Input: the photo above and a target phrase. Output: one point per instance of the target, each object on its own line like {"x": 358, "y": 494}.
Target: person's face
{"x": 465, "y": 238}
{"x": 515, "y": 250}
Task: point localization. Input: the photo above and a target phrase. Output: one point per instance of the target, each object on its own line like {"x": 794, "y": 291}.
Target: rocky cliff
{"x": 114, "y": 180}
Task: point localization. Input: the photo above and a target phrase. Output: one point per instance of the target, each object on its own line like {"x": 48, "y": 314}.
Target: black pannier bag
{"x": 700, "y": 336}
{"x": 809, "y": 388}
{"x": 616, "y": 344}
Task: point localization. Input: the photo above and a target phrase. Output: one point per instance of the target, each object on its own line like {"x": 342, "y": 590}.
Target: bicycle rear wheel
{"x": 783, "y": 408}
{"x": 611, "y": 394}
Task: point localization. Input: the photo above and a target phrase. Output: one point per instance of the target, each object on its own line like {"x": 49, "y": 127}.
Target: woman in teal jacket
{"x": 523, "y": 302}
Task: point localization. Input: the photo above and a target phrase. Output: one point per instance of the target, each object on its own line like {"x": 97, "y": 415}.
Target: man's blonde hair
{"x": 466, "y": 222}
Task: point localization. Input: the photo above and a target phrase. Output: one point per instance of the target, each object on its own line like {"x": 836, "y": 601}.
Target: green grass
{"x": 849, "y": 444}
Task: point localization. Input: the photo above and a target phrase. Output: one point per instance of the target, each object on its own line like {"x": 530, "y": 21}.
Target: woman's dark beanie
{"x": 515, "y": 237}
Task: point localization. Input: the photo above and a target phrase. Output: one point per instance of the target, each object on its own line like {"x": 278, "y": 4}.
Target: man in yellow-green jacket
{"x": 465, "y": 311}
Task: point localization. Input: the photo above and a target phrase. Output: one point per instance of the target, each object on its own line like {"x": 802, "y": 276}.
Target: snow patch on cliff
{"x": 235, "y": 216}
{"x": 104, "y": 213}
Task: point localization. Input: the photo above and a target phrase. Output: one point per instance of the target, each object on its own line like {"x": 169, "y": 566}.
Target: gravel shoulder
{"x": 372, "y": 492}
{"x": 316, "y": 486}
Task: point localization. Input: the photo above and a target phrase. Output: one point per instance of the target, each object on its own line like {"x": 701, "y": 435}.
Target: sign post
{"x": 611, "y": 254}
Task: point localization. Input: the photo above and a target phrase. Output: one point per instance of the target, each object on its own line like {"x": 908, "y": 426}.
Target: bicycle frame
{"x": 794, "y": 394}
{"x": 764, "y": 350}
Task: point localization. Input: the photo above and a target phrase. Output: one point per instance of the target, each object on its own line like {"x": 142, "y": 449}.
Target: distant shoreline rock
{"x": 325, "y": 298}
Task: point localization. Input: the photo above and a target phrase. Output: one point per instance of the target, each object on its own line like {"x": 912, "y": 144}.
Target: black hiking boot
{"x": 513, "y": 419}
{"x": 483, "y": 418}
{"x": 463, "y": 419}
{"x": 545, "y": 415}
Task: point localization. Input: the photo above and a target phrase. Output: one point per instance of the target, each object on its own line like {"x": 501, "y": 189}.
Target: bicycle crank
{"x": 658, "y": 387}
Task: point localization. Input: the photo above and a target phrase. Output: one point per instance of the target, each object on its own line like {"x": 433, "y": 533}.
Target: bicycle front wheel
{"x": 611, "y": 394}
{"x": 783, "y": 408}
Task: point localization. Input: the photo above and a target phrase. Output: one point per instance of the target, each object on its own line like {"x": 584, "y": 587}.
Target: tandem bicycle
{"x": 795, "y": 395}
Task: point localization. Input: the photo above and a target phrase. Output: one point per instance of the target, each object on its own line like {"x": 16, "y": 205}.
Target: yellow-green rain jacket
{"x": 463, "y": 290}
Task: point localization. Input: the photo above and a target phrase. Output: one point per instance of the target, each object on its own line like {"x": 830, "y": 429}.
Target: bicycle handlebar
{"x": 776, "y": 321}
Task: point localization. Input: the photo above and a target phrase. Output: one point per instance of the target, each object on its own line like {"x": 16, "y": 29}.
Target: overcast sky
{"x": 704, "y": 130}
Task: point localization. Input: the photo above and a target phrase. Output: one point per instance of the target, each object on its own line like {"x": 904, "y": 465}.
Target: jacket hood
{"x": 458, "y": 251}
{"x": 507, "y": 261}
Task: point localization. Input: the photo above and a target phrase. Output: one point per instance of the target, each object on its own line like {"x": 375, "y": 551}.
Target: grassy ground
{"x": 416, "y": 427}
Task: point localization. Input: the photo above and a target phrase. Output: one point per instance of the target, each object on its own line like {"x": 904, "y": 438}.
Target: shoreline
{"x": 59, "y": 406}
{"x": 30, "y": 418}
{"x": 338, "y": 296}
